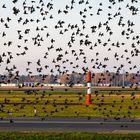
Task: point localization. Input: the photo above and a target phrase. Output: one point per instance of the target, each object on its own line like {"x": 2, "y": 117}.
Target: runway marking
{"x": 126, "y": 131}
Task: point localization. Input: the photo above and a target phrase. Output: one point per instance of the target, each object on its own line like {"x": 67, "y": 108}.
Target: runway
{"x": 70, "y": 89}
{"x": 69, "y": 125}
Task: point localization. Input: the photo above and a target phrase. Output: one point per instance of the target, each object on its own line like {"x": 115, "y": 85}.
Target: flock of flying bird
{"x": 63, "y": 102}
{"x": 81, "y": 34}
{"x": 33, "y": 17}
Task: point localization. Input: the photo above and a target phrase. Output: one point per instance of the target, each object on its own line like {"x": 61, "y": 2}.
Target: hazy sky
{"x": 95, "y": 51}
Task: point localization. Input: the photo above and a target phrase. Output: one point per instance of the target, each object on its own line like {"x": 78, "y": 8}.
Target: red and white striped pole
{"x": 88, "y": 95}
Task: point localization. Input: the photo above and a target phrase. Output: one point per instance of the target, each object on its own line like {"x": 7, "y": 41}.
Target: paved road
{"x": 70, "y": 125}
{"x": 76, "y": 89}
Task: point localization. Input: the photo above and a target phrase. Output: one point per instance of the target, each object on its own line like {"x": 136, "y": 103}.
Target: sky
{"x": 94, "y": 54}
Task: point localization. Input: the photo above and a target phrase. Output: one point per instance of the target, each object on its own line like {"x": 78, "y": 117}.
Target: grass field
{"x": 69, "y": 104}
{"x": 67, "y": 136}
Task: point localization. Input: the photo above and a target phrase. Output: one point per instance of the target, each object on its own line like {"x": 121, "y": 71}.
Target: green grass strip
{"x": 68, "y": 136}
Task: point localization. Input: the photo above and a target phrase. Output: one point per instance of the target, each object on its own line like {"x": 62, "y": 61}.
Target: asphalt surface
{"x": 71, "y": 89}
{"x": 69, "y": 125}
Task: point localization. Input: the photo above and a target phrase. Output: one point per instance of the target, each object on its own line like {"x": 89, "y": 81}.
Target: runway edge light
{"x": 88, "y": 95}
